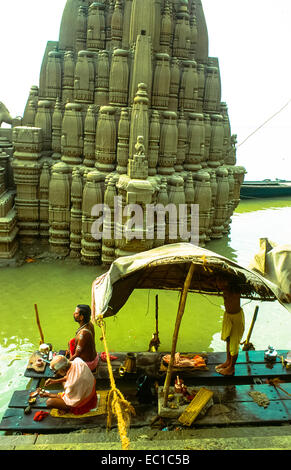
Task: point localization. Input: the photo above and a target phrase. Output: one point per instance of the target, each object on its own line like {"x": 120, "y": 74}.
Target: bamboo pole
{"x": 246, "y": 344}
{"x": 38, "y": 324}
{"x": 180, "y": 313}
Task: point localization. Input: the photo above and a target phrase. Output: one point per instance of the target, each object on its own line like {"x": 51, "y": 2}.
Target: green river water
{"x": 57, "y": 287}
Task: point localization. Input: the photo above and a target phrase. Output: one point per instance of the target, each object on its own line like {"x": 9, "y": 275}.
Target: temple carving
{"x": 127, "y": 112}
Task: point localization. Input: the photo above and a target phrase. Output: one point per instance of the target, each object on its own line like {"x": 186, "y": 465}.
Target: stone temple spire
{"x": 124, "y": 72}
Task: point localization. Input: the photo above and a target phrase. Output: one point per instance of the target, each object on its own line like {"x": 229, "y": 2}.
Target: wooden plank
{"x": 14, "y": 420}
{"x": 236, "y": 393}
{"x": 243, "y": 356}
{"x": 20, "y": 399}
{"x": 242, "y": 413}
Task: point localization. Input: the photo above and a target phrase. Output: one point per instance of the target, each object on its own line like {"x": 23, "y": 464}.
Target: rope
{"x": 264, "y": 123}
{"x": 117, "y": 404}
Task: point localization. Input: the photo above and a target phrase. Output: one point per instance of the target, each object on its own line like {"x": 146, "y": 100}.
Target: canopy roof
{"x": 166, "y": 268}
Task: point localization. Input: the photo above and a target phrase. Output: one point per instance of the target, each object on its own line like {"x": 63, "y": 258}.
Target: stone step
{"x": 271, "y": 437}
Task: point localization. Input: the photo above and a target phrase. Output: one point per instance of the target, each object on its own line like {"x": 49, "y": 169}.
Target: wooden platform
{"x": 232, "y": 403}
{"x": 249, "y": 365}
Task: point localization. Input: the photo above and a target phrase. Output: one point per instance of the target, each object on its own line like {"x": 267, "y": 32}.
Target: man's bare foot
{"x": 222, "y": 366}
{"x": 226, "y": 370}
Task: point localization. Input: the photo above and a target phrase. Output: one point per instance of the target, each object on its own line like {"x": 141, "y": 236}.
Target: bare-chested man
{"x": 232, "y": 329}
{"x": 83, "y": 345}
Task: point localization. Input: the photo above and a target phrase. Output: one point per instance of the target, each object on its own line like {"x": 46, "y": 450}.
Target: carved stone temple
{"x": 127, "y": 111}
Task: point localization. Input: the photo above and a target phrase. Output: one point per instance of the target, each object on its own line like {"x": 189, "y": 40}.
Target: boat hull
{"x": 258, "y": 190}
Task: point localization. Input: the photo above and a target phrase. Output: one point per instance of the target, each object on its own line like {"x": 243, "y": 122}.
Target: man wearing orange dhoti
{"x": 79, "y": 394}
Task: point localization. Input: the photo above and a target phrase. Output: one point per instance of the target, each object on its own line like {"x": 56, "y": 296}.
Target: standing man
{"x": 83, "y": 345}
{"x": 233, "y": 327}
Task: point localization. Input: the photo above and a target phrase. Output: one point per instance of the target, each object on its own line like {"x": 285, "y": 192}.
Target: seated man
{"x": 79, "y": 395}
{"x": 83, "y": 345}
{"x": 232, "y": 329}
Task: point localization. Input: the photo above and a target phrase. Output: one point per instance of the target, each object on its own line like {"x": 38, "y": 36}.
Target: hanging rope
{"x": 117, "y": 404}
{"x": 264, "y": 123}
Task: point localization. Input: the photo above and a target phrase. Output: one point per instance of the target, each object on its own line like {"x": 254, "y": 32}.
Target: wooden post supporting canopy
{"x": 180, "y": 313}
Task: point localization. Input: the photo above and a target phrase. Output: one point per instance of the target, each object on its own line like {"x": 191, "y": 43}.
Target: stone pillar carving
{"x": 44, "y": 182}
{"x": 239, "y": 174}
{"x": 59, "y": 208}
{"x": 142, "y": 19}
{"x": 161, "y": 85}
{"x": 231, "y": 154}
{"x": 30, "y": 107}
{"x": 182, "y": 142}
{"x": 84, "y": 79}
{"x": 102, "y": 80}
{"x": 142, "y": 70}
{"x": 43, "y": 120}
{"x": 231, "y": 202}
{"x": 68, "y": 77}
{"x": 221, "y": 203}
{"x": 213, "y": 185}
{"x": 216, "y": 141}
{"x": 123, "y": 142}
{"x": 134, "y": 188}
{"x": 193, "y": 34}
{"x": 227, "y": 132}
{"x": 154, "y": 142}
{"x": 90, "y": 136}
{"x": 207, "y": 127}
{"x": 30, "y": 113}
{"x": 201, "y": 86}
{"x": 96, "y": 27}
{"x": 27, "y": 143}
{"x": 203, "y": 197}
{"x": 182, "y": 34}
{"x": 212, "y": 90}
{"x": 119, "y": 77}
{"x": 188, "y": 96}
{"x": 161, "y": 225}
{"x": 196, "y": 139}
{"x": 106, "y": 137}
{"x": 117, "y": 25}
{"x": 57, "y": 120}
{"x": 166, "y": 29}
{"x": 72, "y": 134}
{"x": 81, "y": 33}
{"x": 53, "y": 82}
{"x": 168, "y": 144}
{"x": 92, "y": 195}
{"x": 76, "y": 214}
{"x": 108, "y": 241}
{"x": 174, "y": 86}
{"x": 139, "y": 119}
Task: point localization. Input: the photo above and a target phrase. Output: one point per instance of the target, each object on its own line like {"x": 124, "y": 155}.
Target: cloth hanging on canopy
{"x": 274, "y": 263}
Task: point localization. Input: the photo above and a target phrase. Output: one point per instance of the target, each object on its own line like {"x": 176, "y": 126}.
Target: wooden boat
{"x": 265, "y": 189}
{"x": 168, "y": 267}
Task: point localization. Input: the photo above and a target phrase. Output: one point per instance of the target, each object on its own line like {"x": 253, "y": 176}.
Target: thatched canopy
{"x": 166, "y": 268}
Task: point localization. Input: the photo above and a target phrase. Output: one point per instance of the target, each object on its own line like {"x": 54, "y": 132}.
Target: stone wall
{"x": 8, "y": 216}
{"x": 128, "y": 109}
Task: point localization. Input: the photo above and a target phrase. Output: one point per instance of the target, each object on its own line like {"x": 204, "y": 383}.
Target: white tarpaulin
{"x": 274, "y": 263}
{"x": 166, "y": 267}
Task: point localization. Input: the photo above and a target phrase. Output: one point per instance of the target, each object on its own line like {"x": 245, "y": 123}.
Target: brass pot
{"x": 129, "y": 365}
